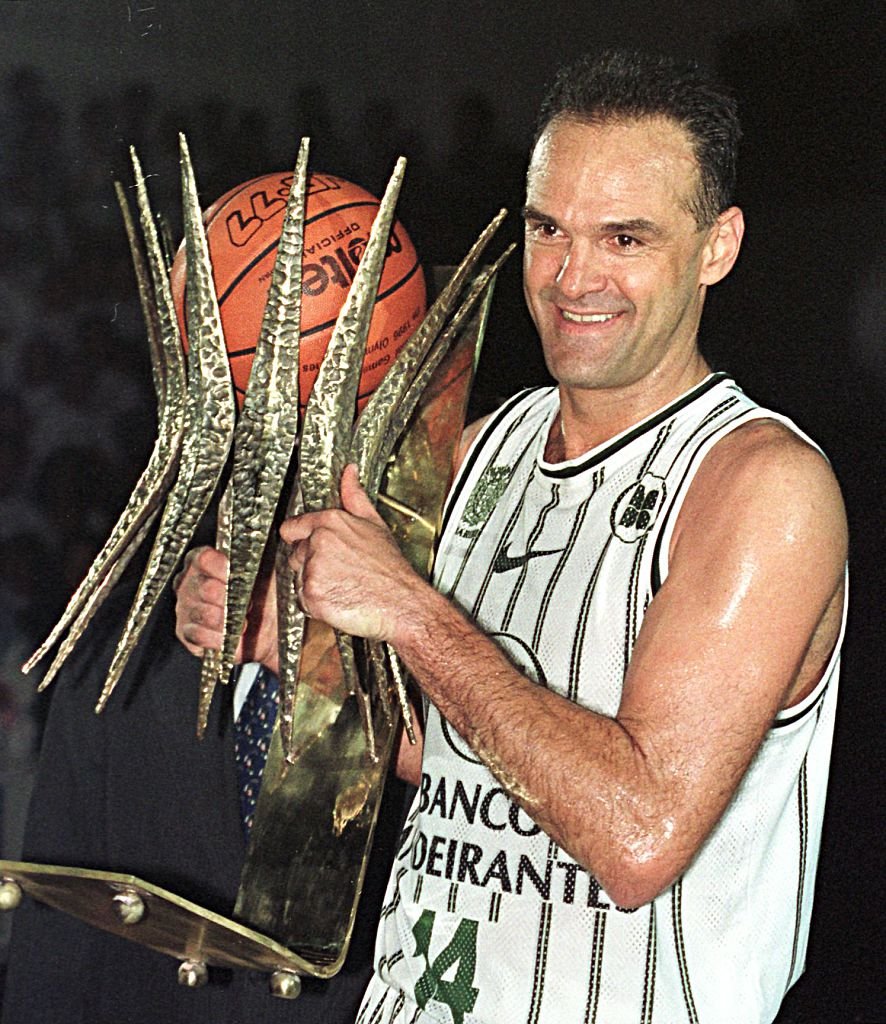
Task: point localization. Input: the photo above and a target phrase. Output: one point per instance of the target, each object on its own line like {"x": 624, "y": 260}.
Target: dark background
{"x": 453, "y": 87}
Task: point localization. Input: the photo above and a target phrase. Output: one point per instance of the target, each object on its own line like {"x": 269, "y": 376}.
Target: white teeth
{"x": 587, "y": 318}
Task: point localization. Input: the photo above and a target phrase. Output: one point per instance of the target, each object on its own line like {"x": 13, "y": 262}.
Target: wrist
{"x": 422, "y": 613}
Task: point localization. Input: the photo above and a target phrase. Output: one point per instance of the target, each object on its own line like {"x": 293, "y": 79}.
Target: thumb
{"x": 354, "y": 499}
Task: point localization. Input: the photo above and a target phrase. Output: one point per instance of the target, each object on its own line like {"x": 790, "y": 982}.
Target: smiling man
{"x": 629, "y": 658}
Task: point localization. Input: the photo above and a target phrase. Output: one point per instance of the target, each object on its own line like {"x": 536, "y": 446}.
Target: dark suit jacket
{"x": 132, "y": 790}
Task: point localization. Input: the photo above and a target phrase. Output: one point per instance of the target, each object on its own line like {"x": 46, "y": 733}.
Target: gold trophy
{"x": 342, "y": 699}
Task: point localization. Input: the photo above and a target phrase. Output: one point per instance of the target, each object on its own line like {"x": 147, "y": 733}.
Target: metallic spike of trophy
{"x": 342, "y": 699}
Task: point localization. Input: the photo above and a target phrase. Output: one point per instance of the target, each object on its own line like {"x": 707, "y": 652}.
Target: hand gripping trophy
{"x": 341, "y": 699}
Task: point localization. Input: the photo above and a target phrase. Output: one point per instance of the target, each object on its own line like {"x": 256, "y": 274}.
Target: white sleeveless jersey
{"x": 486, "y": 919}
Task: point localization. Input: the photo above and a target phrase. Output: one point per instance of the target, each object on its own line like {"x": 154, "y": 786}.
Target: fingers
{"x": 200, "y": 596}
{"x": 348, "y": 569}
{"x": 300, "y": 594}
{"x": 354, "y": 499}
{"x": 201, "y": 562}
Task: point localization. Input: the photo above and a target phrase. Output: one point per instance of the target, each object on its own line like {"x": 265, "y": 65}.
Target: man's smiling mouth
{"x": 587, "y": 318}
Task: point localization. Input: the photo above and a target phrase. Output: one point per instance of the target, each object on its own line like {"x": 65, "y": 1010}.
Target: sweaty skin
{"x": 615, "y": 275}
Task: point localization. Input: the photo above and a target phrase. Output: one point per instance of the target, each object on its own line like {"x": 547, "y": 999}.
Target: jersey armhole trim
{"x": 659, "y": 569}
{"x": 661, "y": 551}
{"x": 477, "y": 446}
{"x": 791, "y": 715}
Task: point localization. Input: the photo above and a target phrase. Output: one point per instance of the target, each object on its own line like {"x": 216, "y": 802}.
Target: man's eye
{"x": 542, "y": 229}
{"x": 627, "y": 242}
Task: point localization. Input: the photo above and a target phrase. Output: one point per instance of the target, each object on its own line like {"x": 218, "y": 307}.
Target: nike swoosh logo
{"x": 505, "y": 562}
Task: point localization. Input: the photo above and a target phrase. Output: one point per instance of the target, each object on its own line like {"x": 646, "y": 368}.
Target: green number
{"x": 459, "y": 994}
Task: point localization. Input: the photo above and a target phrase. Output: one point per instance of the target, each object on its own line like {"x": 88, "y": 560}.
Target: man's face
{"x": 615, "y": 266}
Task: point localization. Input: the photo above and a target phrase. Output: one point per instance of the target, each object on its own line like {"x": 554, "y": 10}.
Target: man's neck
{"x": 589, "y": 417}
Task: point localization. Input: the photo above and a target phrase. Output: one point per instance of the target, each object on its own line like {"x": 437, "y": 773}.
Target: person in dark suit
{"x": 132, "y": 790}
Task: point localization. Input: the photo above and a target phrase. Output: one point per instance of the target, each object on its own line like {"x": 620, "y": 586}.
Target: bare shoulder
{"x": 762, "y": 539}
{"x": 468, "y": 437}
{"x": 765, "y": 474}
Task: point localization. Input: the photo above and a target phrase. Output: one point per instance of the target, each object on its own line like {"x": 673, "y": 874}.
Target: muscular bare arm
{"x": 741, "y": 627}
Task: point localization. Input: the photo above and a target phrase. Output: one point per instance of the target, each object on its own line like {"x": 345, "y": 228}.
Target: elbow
{"x": 631, "y": 889}
{"x": 641, "y": 869}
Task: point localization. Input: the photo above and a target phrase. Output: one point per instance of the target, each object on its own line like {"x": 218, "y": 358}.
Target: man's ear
{"x": 722, "y": 245}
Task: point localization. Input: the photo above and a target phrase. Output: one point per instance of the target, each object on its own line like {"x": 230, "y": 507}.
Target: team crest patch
{"x": 484, "y": 497}
{"x": 637, "y": 508}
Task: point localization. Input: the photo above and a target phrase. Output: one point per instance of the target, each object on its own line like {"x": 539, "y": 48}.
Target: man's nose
{"x": 581, "y": 272}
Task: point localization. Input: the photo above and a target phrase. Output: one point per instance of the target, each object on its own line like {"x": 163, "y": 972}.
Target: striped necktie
{"x": 252, "y": 737}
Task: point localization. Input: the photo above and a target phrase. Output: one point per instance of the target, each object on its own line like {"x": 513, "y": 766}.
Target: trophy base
{"x": 154, "y": 917}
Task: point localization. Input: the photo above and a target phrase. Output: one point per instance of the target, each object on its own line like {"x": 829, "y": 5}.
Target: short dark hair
{"x": 621, "y": 85}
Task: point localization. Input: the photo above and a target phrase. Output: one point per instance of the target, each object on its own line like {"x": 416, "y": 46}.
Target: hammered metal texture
{"x": 94, "y": 601}
{"x": 341, "y": 698}
{"x": 210, "y": 668}
{"x": 402, "y": 412}
{"x": 155, "y": 480}
{"x": 266, "y": 432}
{"x": 316, "y": 810}
{"x": 209, "y": 427}
{"x": 329, "y": 415}
{"x": 290, "y": 636}
{"x": 373, "y": 423}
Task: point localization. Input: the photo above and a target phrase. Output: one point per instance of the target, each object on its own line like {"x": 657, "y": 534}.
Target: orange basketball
{"x": 243, "y": 230}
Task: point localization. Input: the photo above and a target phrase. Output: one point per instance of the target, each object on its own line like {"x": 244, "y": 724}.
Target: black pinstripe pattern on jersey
{"x": 803, "y": 827}
{"x": 702, "y": 426}
{"x": 389, "y": 908}
{"x": 480, "y": 443}
{"x": 658, "y": 444}
{"x": 551, "y": 858}
{"x": 479, "y": 533}
{"x": 535, "y": 533}
{"x": 494, "y": 907}
{"x": 398, "y": 1005}
{"x": 452, "y": 901}
{"x": 632, "y": 615}
{"x": 596, "y": 968}
{"x": 661, "y": 526}
{"x": 502, "y": 544}
{"x": 416, "y": 896}
{"x": 632, "y": 611}
{"x": 400, "y": 998}
{"x": 649, "y": 974}
{"x": 581, "y": 627}
{"x": 393, "y": 960}
{"x": 679, "y": 946}
{"x": 667, "y": 412}
{"x": 574, "y": 534}
{"x": 376, "y": 1011}
{"x": 361, "y": 1016}
{"x": 541, "y": 962}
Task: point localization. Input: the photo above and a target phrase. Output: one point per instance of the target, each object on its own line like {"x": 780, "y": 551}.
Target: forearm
{"x": 581, "y": 776}
{"x": 602, "y": 790}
